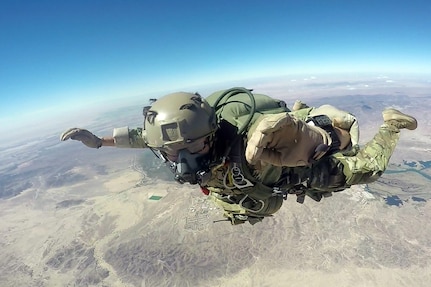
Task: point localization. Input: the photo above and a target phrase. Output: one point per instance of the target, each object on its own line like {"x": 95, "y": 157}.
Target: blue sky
{"x": 61, "y": 55}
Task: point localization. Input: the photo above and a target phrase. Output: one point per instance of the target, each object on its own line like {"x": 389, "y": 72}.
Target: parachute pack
{"x": 250, "y": 193}
{"x": 244, "y": 194}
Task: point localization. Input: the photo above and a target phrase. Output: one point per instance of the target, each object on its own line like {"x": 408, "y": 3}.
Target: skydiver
{"x": 248, "y": 151}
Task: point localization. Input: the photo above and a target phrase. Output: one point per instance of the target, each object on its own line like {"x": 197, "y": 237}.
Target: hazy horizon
{"x": 54, "y": 120}
{"x": 61, "y": 59}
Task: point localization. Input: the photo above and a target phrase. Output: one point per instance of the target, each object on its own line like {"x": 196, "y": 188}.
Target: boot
{"x": 398, "y": 120}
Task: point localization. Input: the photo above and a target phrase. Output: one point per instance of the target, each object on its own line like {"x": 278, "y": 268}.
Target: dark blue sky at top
{"x": 62, "y": 54}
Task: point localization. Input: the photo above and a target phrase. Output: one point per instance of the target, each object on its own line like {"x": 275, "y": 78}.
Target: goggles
{"x": 194, "y": 147}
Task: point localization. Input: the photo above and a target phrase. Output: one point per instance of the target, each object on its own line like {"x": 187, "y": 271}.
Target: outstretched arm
{"x": 122, "y": 137}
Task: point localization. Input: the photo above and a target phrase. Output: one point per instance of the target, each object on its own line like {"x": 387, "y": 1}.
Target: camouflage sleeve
{"x": 128, "y": 138}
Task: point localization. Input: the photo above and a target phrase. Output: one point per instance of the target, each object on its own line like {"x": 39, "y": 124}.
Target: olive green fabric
{"x": 257, "y": 200}
{"x": 235, "y": 109}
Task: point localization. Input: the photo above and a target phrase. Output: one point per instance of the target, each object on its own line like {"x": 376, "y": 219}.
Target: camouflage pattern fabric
{"x": 372, "y": 160}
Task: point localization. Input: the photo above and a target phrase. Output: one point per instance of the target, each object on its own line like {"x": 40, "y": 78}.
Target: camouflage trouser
{"x": 372, "y": 160}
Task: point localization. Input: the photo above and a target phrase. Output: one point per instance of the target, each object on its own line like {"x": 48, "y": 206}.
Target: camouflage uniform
{"x": 259, "y": 153}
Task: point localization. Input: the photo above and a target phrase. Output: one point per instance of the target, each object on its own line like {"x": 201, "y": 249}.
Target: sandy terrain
{"x": 72, "y": 216}
{"x": 124, "y": 238}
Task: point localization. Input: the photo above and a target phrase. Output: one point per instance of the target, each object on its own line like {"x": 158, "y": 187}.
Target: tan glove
{"x": 283, "y": 140}
{"x": 83, "y": 136}
{"x": 340, "y": 119}
{"x": 262, "y": 136}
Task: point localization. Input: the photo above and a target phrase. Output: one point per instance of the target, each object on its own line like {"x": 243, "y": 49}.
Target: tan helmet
{"x": 177, "y": 120}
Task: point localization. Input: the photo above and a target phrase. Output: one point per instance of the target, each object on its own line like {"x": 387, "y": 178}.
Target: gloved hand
{"x": 283, "y": 140}
{"x": 351, "y": 152}
{"x": 83, "y": 136}
{"x": 263, "y": 135}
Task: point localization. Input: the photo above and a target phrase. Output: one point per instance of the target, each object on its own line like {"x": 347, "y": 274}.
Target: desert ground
{"x": 73, "y": 216}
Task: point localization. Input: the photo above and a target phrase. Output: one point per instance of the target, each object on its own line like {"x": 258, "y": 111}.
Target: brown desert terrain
{"x": 73, "y": 216}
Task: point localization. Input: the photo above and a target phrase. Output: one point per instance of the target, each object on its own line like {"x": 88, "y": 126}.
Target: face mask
{"x": 190, "y": 167}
